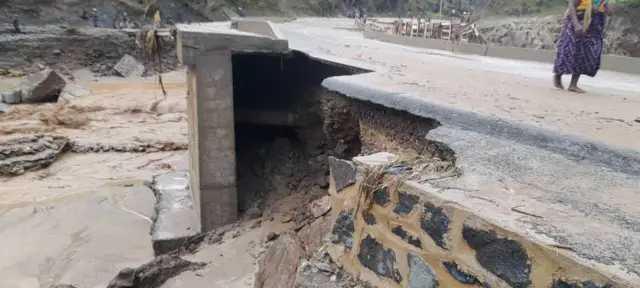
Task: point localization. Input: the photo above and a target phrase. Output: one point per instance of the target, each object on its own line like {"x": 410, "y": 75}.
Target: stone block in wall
{"x": 378, "y": 259}
{"x": 503, "y": 257}
{"x": 404, "y": 235}
{"x": 435, "y": 223}
{"x": 405, "y": 204}
{"x": 343, "y": 229}
{"x": 457, "y": 273}
{"x": 420, "y": 274}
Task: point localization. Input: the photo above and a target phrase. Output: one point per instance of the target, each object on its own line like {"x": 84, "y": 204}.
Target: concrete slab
{"x": 175, "y": 216}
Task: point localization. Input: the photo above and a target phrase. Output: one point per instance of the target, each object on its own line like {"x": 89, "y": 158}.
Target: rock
{"x": 321, "y": 181}
{"x": 41, "y": 67}
{"x": 278, "y": 266}
{"x": 129, "y": 66}
{"x": 3, "y": 71}
{"x": 420, "y": 274}
{"x": 343, "y": 173}
{"x": 44, "y": 86}
{"x": 72, "y": 91}
{"x": 153, "y": 273}
{"x": 15, "y": 74}
{"x": 272, "y": 236}
{"x": 4, "y": 107}
{"x": 57, "y": 52}
{"x": 320, "y": 206}
{"x": 320, "y": 272}
{"x": 313, "y": 236}
{"x": 252, "y": 213}
{"x": 63, "y": 286}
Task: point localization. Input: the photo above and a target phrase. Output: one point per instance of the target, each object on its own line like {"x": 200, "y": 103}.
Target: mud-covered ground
{"x": 68, "y": 49}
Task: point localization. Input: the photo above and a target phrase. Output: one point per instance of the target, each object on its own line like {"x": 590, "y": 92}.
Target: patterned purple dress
{"x": 580, "y": 55}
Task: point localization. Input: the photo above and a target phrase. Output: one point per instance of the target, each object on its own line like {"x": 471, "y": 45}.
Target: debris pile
{"x": 30, "y": 153}
{"x": 44, "y": 86}
{"x": 153, "y": 273}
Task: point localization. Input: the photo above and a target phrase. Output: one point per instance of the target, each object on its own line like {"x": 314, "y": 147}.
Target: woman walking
{"x": 580, "y": 45}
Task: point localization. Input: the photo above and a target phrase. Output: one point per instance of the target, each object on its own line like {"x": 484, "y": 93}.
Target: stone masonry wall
{"x": 401, "y": 236}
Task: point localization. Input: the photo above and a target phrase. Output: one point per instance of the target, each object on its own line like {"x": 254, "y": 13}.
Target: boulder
{"x": 129, "y": 66}
{"x": 44, "y": 86}
{"x": 278, "y": 266}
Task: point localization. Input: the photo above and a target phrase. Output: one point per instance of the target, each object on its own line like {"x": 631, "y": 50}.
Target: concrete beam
{"x": 191, "y": 43}
{"x": 207, "y": 51}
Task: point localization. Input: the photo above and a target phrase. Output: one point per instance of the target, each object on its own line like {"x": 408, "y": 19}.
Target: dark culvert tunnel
{"x": 287, "y": 125}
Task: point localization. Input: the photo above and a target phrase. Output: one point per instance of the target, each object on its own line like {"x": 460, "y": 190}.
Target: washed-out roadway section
{"x": 570, "y": 160}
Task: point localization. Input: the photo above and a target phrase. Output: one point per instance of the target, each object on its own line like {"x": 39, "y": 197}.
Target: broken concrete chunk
{"x": 13, "y": 97}
{"x": 320, "y": 207}
{"x": 175, "y": 220}
{"x": 375, "y": 160}
{"x": 129, "y": 67}
{"x": 343, "y": 173}
{"x": 279, "y": 264}
{"x": 73, "y": 91}
{"x": 44, "y": 86}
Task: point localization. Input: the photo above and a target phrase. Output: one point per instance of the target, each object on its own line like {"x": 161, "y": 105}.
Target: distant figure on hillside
{"x": 580, "y": 44}
{"x": 240, "y": 12}
{"x": 94, "y": 17}
{"x": 156, "y": 19}
{"x": 16, "y": 25}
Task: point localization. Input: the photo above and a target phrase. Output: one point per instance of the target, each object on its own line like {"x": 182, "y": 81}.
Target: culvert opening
{"x": 281, "y": 147}
{"x": 287, "y": 125}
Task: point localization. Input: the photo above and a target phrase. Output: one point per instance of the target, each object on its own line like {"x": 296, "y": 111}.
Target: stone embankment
{"x": 392, "y": 232}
